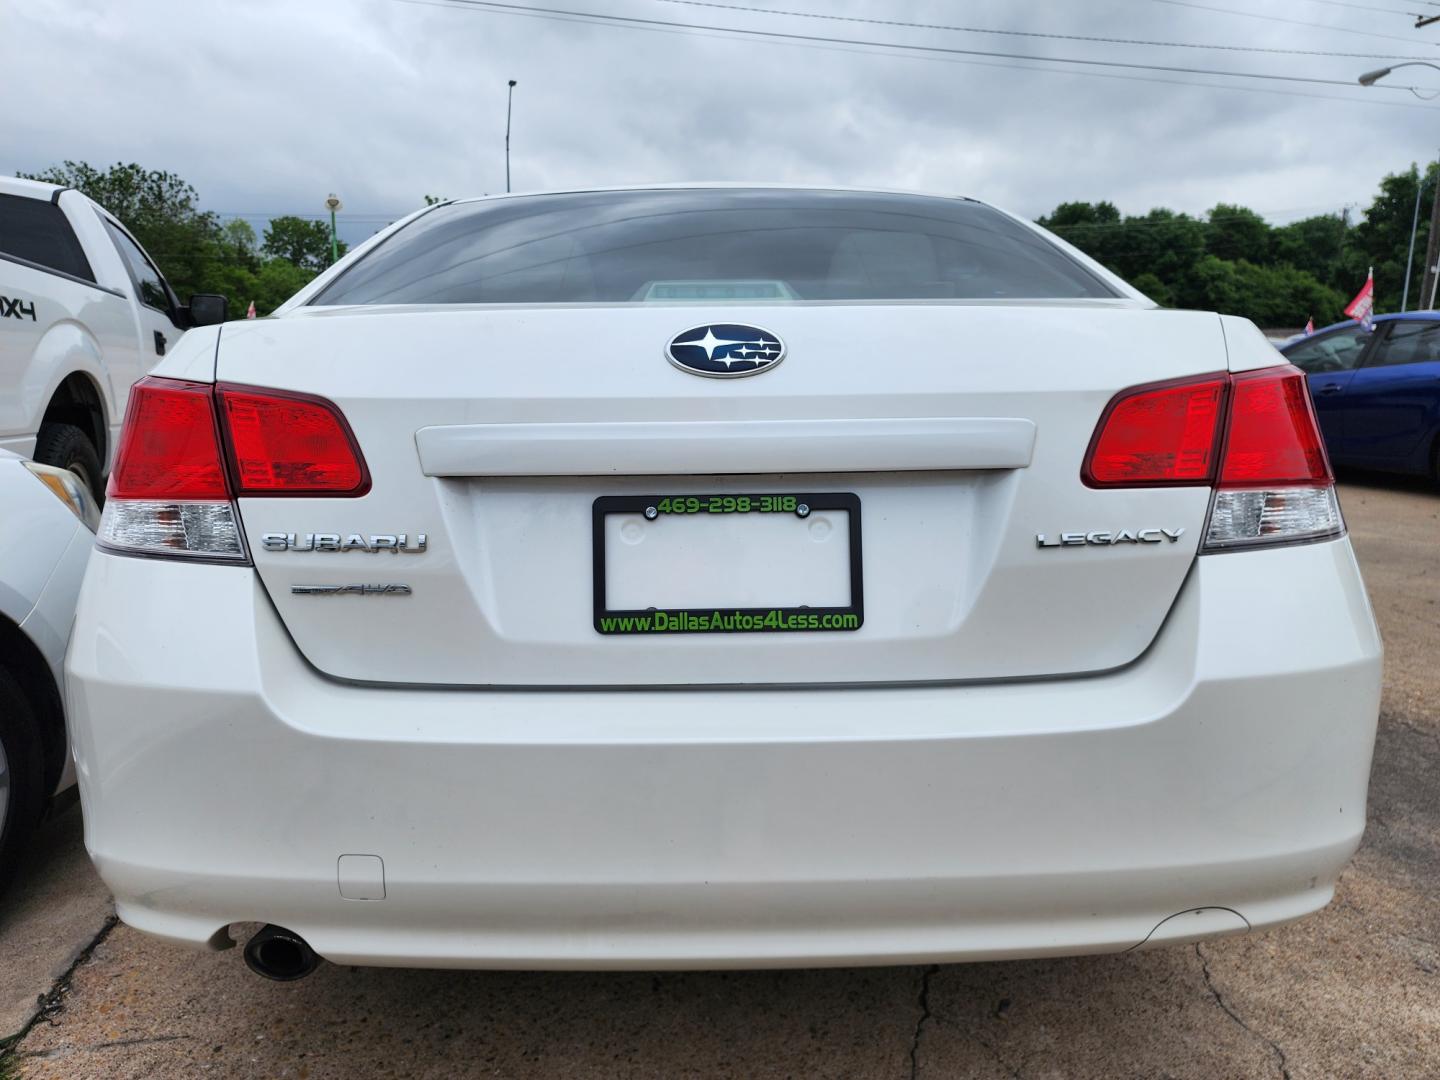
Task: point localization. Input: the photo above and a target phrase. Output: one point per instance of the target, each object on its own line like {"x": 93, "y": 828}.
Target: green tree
{"x": 1382, "y": 239}
{"x": 1269, "y": 295}
{"x": 277, "y": 281}
{"x": 1161, "y": 243}
{"x": 1094, "y": 228}
{"x": 1154, "y": 288}
{"x": 1236, "y": 232}
{"x": 160, "y": 209}
{"x": 299, "y": 241}
{"x": 1316, "y": 244}
{"x": 1165, "y": 244}
{"x": 195, "y": 251}
{"x": 238, "y": 241}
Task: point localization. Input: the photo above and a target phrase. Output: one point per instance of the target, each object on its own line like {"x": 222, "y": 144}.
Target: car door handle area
{"x": 159, "y": 343}
{"x": 1331, "y": 388}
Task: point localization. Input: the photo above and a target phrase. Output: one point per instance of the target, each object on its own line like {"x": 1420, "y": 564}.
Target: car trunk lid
{"x": 939, "y": 440}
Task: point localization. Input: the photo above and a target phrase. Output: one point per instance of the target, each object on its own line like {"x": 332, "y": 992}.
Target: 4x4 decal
{"x": 16, "y": 308}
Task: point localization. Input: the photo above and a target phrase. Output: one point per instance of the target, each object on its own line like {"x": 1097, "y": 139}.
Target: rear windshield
{"x": 730, "y": 244}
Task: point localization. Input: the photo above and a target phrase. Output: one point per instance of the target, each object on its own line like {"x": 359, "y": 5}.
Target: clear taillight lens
{"x": 203, "y": 530}
{"x": 1247, "y": 516}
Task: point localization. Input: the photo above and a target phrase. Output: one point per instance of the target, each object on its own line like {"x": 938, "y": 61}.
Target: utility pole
{"x": 1414, "y": 226}
{"x": 509, "y": 97}
{"x": 1432, "y": 254}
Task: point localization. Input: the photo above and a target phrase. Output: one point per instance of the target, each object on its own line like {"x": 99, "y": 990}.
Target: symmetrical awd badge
{"x": 725, "y": 350}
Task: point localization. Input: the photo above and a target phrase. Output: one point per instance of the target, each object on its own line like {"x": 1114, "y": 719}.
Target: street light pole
{"x": 332, "y": 203}
{"x": 509, "y": 97}
{"x": 1431, "y": 277}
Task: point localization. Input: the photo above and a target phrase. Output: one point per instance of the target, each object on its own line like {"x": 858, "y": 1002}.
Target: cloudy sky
{"x": 265, "y": 106}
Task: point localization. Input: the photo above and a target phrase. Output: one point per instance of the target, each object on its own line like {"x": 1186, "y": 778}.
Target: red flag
{"x": 1364, "y": 302}
{"x": 251, "y": 313}
{"x": 1310, "y": 325}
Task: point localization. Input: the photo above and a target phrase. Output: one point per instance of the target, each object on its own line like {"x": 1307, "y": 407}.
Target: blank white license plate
{"x": 727, "y": 563}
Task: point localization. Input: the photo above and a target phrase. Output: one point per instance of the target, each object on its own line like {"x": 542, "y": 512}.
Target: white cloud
{"x": 267, "y": 106}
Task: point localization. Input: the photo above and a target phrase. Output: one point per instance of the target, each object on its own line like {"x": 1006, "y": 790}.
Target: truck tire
{"x": 22, "y": 796}
{"x": 67, "y": 447}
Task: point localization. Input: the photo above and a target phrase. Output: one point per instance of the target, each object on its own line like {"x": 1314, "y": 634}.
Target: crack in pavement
{"x": 994, "y": 1052}
{"x": 1281, "y": 1061}
{"x": 924, "y": 1003}
{"x": 50, "y": 1005}
{"x": 65, "y": 1051}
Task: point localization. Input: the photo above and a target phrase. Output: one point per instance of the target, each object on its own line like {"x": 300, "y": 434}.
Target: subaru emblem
{"x": 725, "y": 350}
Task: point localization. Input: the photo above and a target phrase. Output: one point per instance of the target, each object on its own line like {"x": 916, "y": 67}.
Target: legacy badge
{"x": 1108, "y": 539}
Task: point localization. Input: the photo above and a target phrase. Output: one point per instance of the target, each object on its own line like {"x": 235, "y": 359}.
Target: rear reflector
{"x": 181, "y": 461}
{"x": 1251, "y": 436}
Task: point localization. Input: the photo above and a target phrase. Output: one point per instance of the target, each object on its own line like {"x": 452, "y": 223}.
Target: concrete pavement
{"x": 56, "y": 910}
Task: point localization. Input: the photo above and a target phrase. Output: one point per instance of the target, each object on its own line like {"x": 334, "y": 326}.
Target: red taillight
{"x": 1164, "y": 433}
{"x": 1253, "y": 436}
{"x": 1255, "y": 429}
{"x": 188, "y": 449}
{"x": 169, "y": 447}
{"x": 1272, "y": 438}
{"x": 289, "y": 444}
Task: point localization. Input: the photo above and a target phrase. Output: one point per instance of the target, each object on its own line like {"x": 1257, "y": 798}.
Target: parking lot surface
{"x": 1353, "y": 991}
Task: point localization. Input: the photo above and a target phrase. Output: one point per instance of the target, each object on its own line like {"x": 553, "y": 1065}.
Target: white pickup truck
{"x": 83, "y": 314}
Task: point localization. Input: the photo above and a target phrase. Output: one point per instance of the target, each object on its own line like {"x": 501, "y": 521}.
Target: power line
{"x": 1092, "y": 39}
{"x": 1282, "y": 19}
{"x": 877, "y": 52}
{"x": 1362, "y": 7}
{"x": 630, "y": 21}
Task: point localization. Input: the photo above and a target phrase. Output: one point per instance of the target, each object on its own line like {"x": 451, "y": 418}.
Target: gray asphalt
{"x": 1351, "y": 992}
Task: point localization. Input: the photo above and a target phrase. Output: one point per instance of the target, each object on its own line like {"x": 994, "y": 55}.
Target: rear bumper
{"x": 1226, "y": 769}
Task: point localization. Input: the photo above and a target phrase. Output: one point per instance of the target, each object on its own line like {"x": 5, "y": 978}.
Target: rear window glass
{"x": 728, "y": 244}
{"x": 38, "y": 232}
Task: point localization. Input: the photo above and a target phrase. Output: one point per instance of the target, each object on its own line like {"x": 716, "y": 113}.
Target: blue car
{"x": 1377, "y": 391}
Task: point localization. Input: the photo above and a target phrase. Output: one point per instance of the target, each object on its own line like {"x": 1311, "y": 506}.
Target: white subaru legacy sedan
{"x": 720, "y": 576}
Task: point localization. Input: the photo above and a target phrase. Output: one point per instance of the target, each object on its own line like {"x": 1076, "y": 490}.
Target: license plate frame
{"x": 779, "y": 619}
